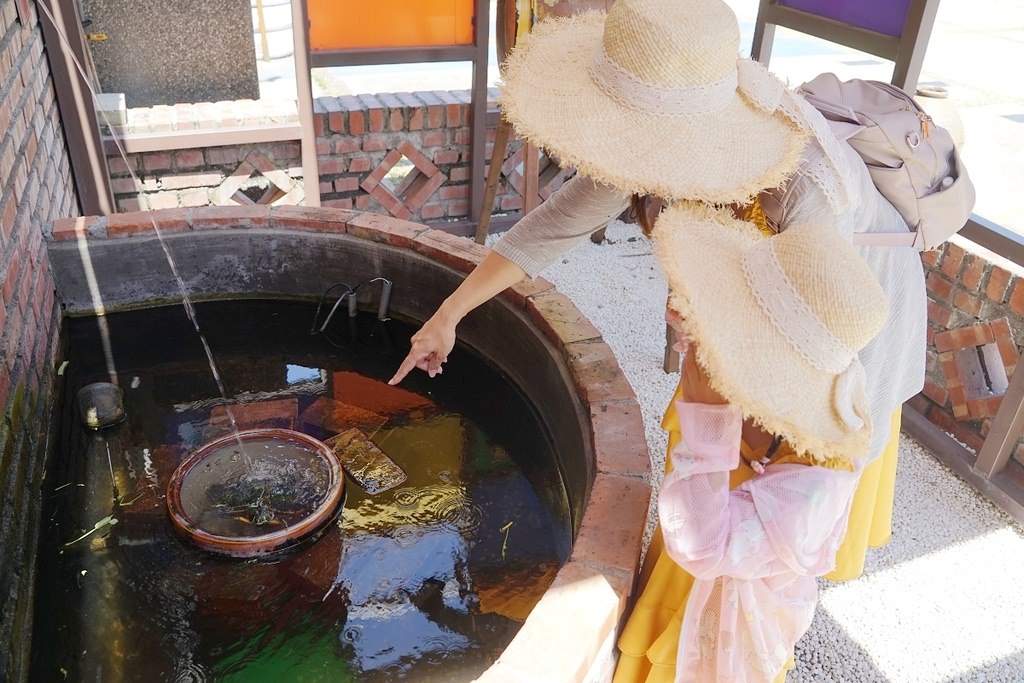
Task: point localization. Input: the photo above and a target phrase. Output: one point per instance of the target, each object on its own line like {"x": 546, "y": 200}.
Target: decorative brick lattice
{"x": 549, "y": 176}
{"x": 977, "y": 362}
{"x": 258, "y": 181}
{"x": 403, "y": 198}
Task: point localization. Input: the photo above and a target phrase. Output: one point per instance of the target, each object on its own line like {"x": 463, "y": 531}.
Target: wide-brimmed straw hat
{"x": 653, "y": 98}
{"x": 778, "y": 323}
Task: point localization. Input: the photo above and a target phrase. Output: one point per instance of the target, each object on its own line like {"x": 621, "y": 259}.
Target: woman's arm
{"x": 574, "y": 211}
{"x": 560, "y": 222}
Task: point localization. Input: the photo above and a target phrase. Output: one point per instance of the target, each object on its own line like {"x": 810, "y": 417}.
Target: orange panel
{"x": 348, "y": 24}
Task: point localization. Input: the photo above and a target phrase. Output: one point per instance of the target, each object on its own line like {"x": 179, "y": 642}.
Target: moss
{"x": 16, "y": 413}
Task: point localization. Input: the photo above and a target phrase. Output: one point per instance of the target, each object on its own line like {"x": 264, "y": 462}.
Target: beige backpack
{"x": 912, "y": 160}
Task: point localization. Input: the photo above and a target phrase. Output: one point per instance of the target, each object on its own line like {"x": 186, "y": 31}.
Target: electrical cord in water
{"x": 350, "y": 294}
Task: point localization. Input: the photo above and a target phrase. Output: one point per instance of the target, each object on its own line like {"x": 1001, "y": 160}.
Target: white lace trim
{"x": 830, "y": 172}
{"x": 762, "y": 88}
{"x": 789, "y": 312}
{"x": 627, "y": 89}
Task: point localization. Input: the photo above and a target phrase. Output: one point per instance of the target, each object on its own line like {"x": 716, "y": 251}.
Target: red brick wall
{"x": 35, "y": 188}
{"x": 199, "y": 177}
{"x": 358, "y": 140}
{"x": 975, "y": 300}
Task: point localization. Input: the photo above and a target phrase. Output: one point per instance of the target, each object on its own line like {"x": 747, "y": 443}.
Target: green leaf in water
{"x": 504, "y": 544}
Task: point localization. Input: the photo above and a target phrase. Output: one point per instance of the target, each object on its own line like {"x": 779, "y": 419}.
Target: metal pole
{"x": 304, "y": 93}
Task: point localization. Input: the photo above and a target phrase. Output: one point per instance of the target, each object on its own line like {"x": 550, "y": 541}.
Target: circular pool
{"x": 532, "y": 335}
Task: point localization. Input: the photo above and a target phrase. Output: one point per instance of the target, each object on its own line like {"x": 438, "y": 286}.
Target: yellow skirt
{"x": 650, "y": 640}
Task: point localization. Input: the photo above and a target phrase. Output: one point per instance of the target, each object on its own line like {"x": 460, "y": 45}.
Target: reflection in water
{"x": 427, "y": 581}
{"x": 404, "y": 585}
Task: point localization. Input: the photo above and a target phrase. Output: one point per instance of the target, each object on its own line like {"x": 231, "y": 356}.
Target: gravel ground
{"x": 939, "y": 603}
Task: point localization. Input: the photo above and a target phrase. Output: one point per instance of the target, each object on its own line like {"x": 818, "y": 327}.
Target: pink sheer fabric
{"x": 755, "y": 551}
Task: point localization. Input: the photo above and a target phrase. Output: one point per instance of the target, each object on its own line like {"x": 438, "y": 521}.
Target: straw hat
{"x": 779, "y": 322}
{"x": 653, "y": 99}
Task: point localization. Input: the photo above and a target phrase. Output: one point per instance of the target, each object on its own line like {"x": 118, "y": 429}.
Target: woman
{"x": 754, "y": 551}
{"x": 652, "y": 101}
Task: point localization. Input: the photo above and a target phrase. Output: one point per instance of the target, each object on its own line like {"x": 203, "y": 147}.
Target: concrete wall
{"x": 170, "y": 51}
{"x": 35, "y": 188}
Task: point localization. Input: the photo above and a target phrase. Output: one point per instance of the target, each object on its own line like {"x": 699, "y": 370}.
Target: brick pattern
{"x": 974, "y": 300}
{"x": 212, "y": 176}
{"x": 549, "y": 178}
{"x": 958, "y": 353}
{"x": 359, "y": 139}
{"x": 409, "y": 194}
{"x": 165, "y": 118}
{"x": 272, "y": 185}
{"x": 35, "y": 188}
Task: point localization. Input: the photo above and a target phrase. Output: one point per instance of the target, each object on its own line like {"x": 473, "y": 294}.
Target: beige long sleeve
{"x": 574, "y": 211}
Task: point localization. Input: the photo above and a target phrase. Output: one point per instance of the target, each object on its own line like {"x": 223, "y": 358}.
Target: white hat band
{"x": 628, "y": 90}
{"x": 789, "y": 312}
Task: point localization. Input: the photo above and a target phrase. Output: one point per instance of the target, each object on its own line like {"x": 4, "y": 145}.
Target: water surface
{"x": 427, "y": 581}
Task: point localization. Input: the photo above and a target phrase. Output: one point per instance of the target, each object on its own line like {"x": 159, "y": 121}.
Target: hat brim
{"x": 726, "y": 156}
{"x": 748, "y": 361}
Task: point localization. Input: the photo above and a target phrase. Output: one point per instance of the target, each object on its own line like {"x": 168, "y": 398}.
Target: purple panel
{"x": 884, "y": 16}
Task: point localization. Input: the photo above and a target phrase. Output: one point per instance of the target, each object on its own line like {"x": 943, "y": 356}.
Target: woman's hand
{"x": 430, "y": 348}
{"x": 435, "y": 340}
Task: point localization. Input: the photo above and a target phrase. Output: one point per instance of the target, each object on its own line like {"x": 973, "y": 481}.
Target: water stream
{"x": 186, "y": 300}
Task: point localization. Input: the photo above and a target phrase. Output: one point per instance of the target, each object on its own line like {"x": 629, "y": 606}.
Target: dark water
{"x": 427, "y": 581}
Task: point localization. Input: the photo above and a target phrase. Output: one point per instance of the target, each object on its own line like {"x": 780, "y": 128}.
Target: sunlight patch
{"x": 912, "y": 619}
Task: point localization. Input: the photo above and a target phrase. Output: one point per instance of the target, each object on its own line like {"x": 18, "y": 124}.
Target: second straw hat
{"x": 778, "y": 323}
{"x": 653, "y": 98}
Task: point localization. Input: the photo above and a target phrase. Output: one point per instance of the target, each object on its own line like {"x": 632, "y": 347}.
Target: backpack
{"x": 912, "y": 160}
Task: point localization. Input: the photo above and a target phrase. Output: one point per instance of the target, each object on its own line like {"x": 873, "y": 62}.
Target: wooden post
{"x": 501, "y": 136}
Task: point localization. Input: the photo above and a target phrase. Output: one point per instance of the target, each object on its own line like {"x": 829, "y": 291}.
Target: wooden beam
{"x": 67, "y": 53}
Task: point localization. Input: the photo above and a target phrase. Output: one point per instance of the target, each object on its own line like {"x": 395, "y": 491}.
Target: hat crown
{"x": 673, "y": 43}
{"x": 829, "y": 277}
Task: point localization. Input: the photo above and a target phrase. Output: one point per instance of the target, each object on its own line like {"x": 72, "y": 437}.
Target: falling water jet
{"x": 185, "y": 299}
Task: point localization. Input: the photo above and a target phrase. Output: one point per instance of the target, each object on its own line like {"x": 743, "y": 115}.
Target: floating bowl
{"x": 255, "y": 492}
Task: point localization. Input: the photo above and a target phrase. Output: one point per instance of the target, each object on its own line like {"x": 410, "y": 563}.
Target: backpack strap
{"x": 887, "y": 239}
